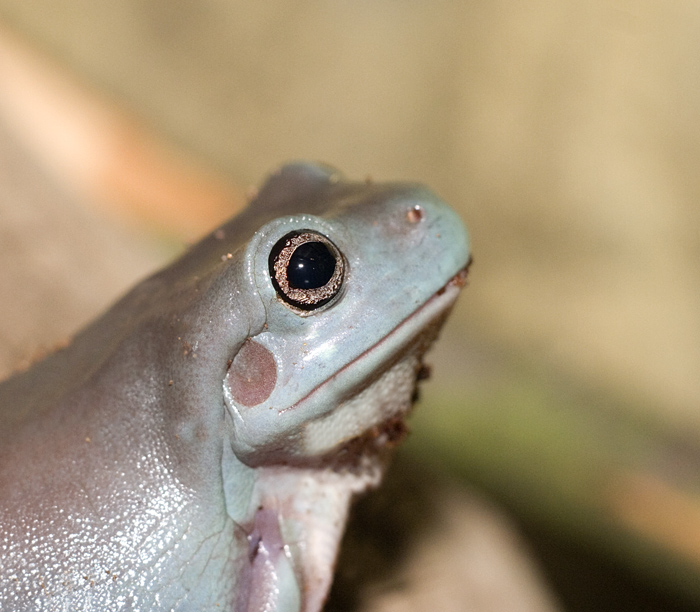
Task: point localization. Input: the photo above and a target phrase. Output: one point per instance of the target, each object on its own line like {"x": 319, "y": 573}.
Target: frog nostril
{"x": 415, "y": 214}
{"x": 252, "y": 375}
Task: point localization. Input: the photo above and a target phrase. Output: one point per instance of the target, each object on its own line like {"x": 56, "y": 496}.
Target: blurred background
{"x": 566, "y": 387}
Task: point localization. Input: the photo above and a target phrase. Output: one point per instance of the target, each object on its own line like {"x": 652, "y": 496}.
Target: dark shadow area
{"x": 387, "y": 523}
{"x": 585, "y": 581}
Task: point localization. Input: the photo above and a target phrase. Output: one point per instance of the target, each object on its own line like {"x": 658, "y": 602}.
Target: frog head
{"x": 354, "y": 280}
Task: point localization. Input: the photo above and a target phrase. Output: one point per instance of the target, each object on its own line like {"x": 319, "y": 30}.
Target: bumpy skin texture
{"x": 196, "y": 448}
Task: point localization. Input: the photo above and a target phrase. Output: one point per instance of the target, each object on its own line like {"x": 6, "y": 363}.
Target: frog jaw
{"x": 373, "y": 389}
{"x": 373, "y": 415}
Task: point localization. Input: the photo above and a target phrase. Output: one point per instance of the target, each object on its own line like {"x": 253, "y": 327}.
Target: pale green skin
{"x": 128, "y": 481}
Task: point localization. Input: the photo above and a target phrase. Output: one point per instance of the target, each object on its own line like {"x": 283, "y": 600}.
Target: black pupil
{"x": 311, "y": 266}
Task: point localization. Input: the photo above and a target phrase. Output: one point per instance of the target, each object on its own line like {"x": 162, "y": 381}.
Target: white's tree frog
{"x": 197, "y": 447}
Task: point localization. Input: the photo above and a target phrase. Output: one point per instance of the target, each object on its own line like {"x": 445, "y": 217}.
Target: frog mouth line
{"x": 443, "y": 297}
{"x": 431, "y": 315}
{"x": 410, "y": 339}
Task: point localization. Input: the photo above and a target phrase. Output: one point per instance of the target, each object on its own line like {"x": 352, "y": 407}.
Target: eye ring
{"x": 306, "y": 270}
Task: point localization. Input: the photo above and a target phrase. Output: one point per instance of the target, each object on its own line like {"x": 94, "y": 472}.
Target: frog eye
{"x": 306, "y": 269}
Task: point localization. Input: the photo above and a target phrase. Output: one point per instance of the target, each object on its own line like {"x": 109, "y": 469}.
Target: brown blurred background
{"x": 566, "y": 134}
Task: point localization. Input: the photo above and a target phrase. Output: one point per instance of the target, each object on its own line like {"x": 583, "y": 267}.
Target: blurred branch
{"x": 103, "y": 155}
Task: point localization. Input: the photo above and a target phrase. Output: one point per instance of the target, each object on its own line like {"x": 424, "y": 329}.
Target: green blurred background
{"x": 566, "y": 134}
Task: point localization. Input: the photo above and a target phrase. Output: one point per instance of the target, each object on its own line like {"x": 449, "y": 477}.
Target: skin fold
{"x": 198, "y": 446}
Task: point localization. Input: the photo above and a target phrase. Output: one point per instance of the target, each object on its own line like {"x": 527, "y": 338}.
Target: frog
{"x": 198, "y": 446}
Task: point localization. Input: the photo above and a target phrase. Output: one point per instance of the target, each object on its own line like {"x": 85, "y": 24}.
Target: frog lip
{"x": 436, "y": 306}
{"x": 412, "y": 336}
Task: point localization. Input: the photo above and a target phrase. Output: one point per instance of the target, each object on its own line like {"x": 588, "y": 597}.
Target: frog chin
{"x": 371, "y": 418}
